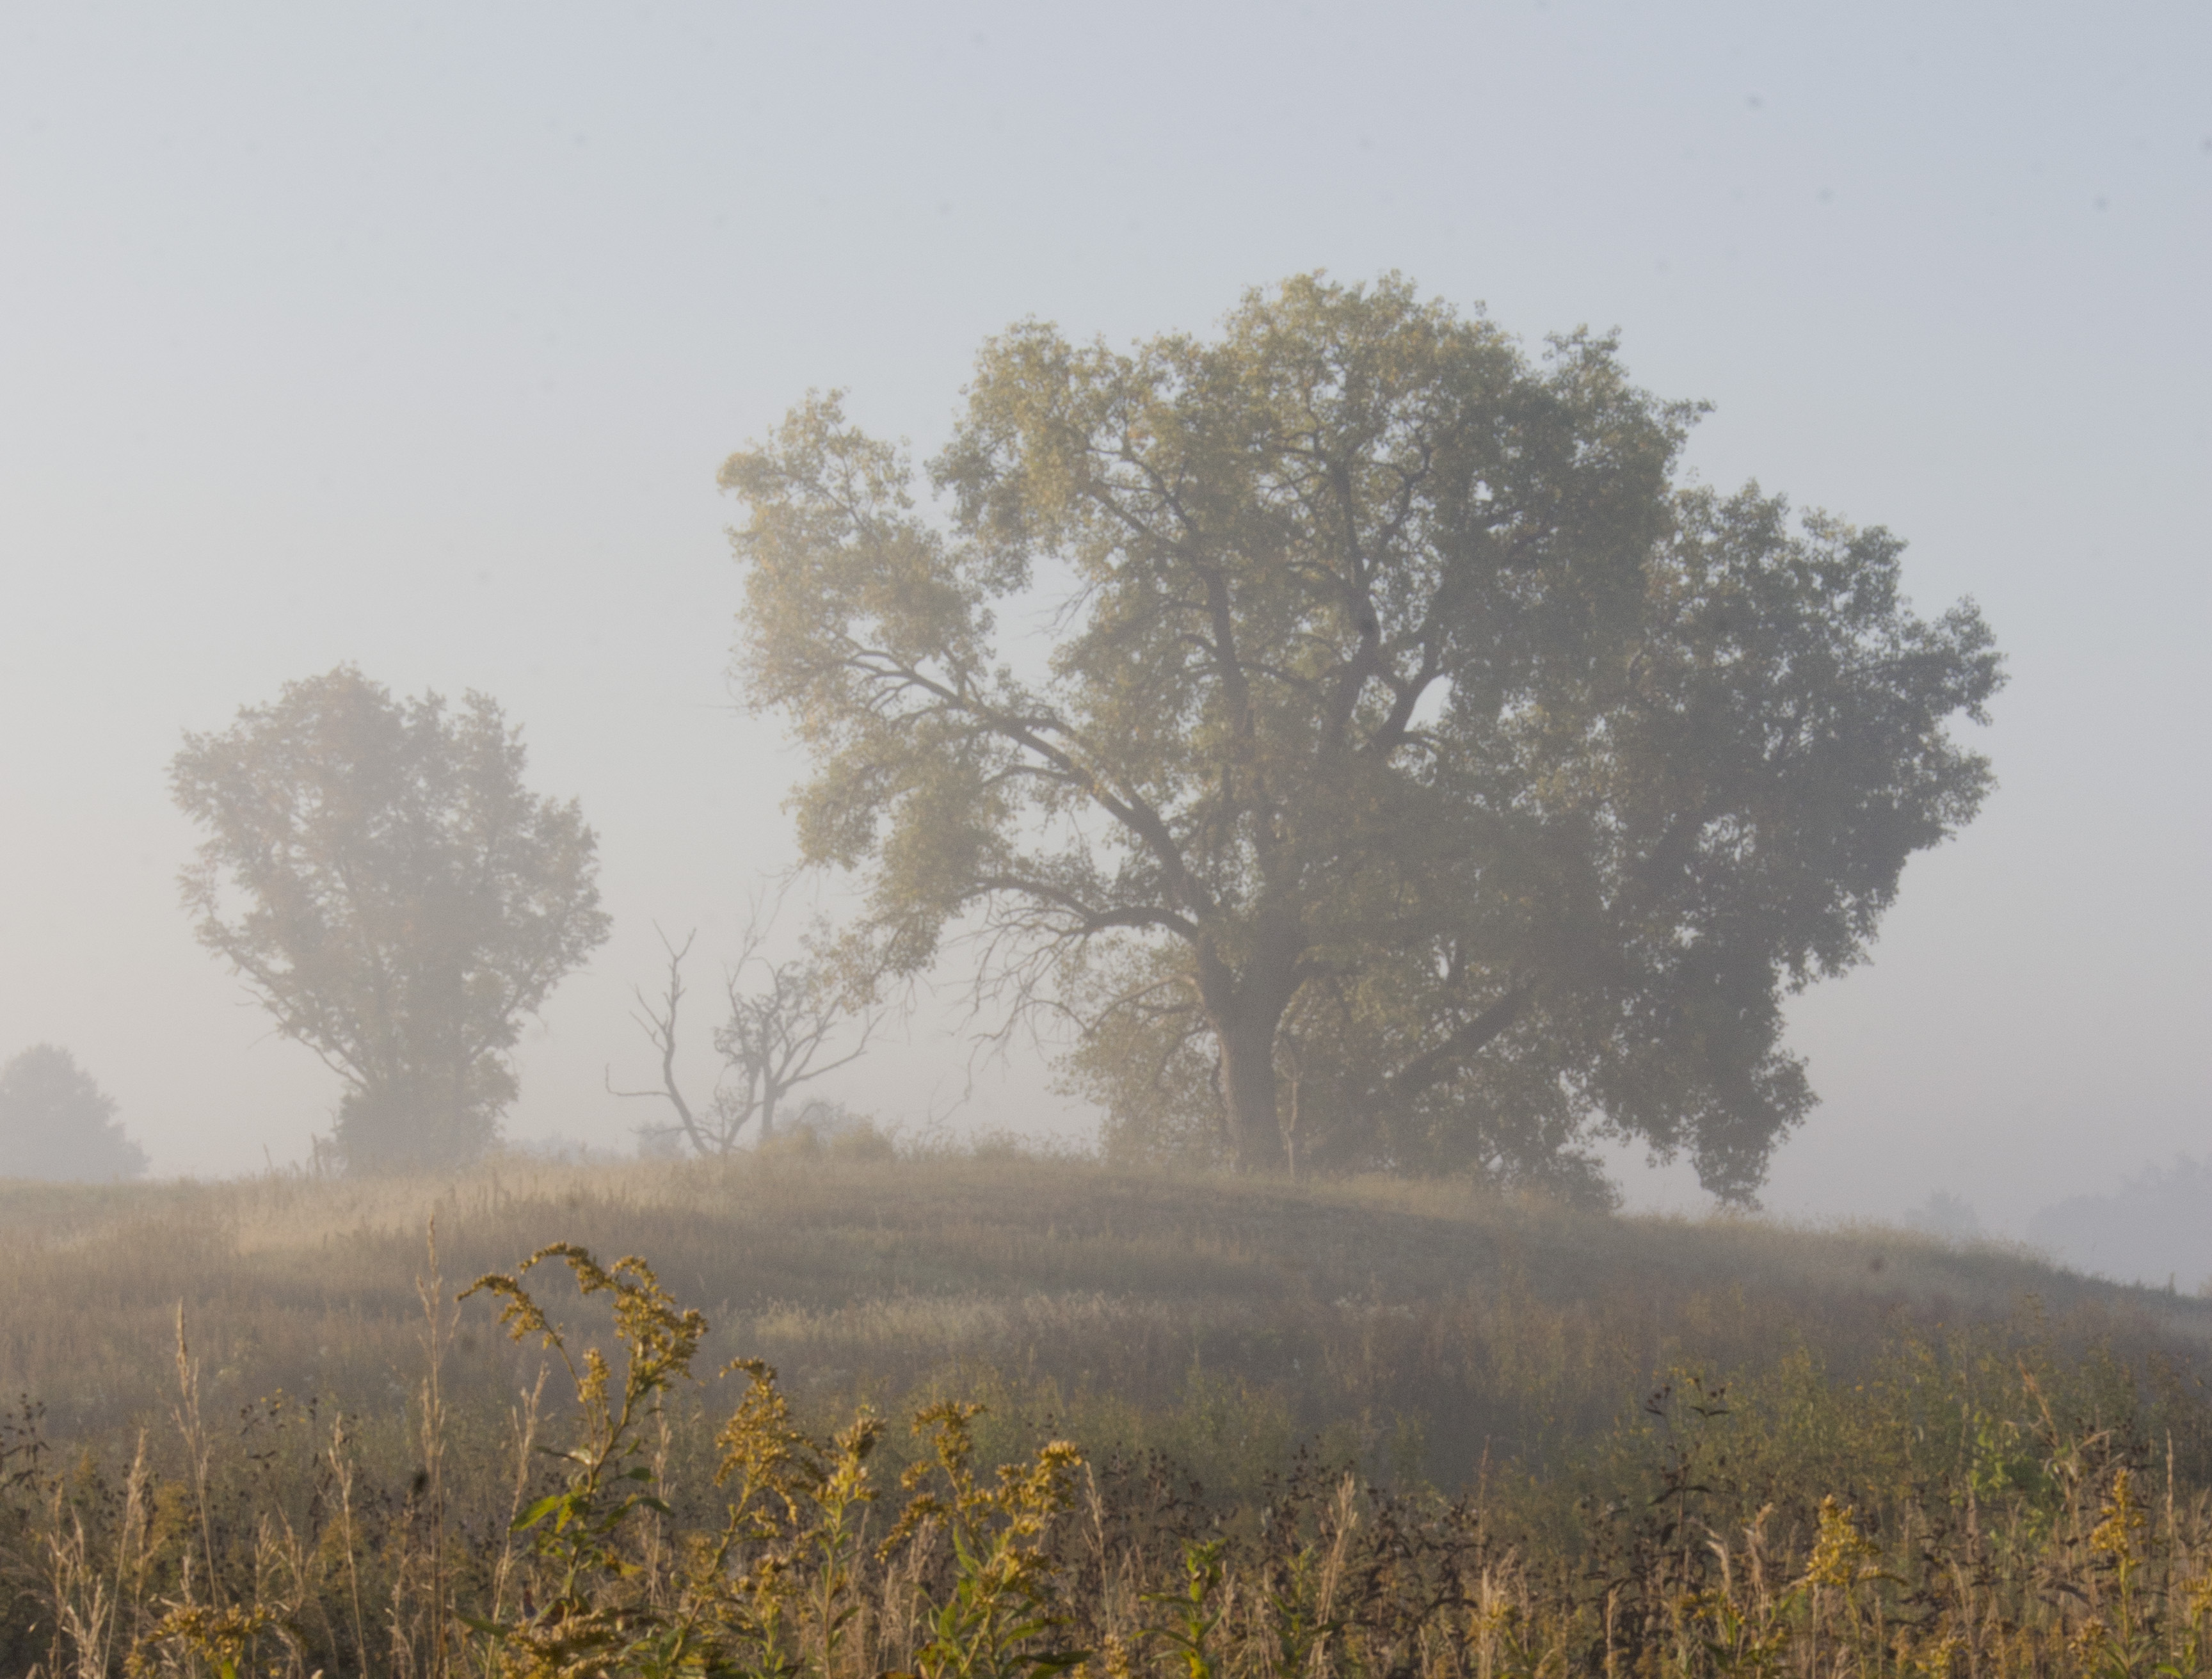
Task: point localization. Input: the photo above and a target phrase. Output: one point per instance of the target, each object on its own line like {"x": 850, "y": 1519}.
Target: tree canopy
{"x": 1422, "y": 774}
{"x": 394, "y": 895}
{"x": 57, "y": 1125}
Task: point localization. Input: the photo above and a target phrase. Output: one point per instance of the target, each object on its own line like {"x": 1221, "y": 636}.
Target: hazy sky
{"x": 413, "y": 336}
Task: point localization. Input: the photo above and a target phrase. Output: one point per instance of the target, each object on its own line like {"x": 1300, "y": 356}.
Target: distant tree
{"x": 2155, "y": 1228}
{"x": 788, "y": 1023}
{"x": 1947, "y": 1217}
{"x": 56, "y": 1123}
{"x": 395, "y": 898}
{"x": 1405, "y": 718}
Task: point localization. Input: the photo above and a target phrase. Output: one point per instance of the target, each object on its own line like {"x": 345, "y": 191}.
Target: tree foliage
{"x": 1422, "y": 775}
{"x": 394, "y": 895}
{"x": 57, "y": 1125}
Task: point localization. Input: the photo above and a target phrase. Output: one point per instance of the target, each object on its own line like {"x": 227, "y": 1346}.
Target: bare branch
{"x": 658, "y": 1022}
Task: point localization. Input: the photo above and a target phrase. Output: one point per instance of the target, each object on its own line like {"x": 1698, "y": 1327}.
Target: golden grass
{"x": 1488, "y": 1327}
{"x": 1535, "y": 1442}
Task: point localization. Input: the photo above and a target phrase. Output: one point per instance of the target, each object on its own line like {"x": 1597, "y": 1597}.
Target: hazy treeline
{"x": 1425, "y": 774}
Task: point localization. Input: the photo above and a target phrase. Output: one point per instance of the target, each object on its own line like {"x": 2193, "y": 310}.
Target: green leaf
{"x": 537, "y": 1512}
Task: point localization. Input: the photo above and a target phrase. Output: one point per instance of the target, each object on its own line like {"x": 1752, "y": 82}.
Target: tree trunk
{"x": 1248, "y": 1088}
{"x": 1245, "y": 1009}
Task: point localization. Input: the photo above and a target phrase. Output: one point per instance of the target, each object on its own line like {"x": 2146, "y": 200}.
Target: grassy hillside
{"x": 1451, "y": 1322}
{"x": 1375, "y": 1428}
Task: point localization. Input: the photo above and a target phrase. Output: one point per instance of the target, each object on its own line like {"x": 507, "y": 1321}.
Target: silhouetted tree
{"x": 789, "y": 1022}
{"x": 1401, "y": 699}
{"x": 395, "y": 898}
{"x": 56, "y": 1123}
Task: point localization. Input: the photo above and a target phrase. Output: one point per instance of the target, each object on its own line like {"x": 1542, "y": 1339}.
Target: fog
{"x": 413, "y": 338}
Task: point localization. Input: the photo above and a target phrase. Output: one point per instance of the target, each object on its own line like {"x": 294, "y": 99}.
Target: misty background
{"x": 413, "y": 337}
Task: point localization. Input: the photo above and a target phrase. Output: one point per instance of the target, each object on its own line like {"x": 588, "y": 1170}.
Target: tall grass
{"x": 1227, "y": 1429}
{"x": 1379, "y": 1307}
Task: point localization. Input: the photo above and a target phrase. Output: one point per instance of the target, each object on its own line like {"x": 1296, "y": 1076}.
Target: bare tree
{"x": 790, "y": 1022}
{"x": 657, "y": 1019}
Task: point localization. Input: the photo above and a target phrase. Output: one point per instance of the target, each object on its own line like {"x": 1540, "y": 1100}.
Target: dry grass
{"x": 1534, "y": 1442}
{"x": 1374, "y": 1306}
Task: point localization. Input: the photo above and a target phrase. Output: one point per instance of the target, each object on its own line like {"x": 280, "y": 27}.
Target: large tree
{"x": 394, "y": 895}
{"x": 1420, "y": 776}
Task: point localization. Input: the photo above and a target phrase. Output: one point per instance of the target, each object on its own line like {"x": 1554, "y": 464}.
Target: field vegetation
{"x": 1372, "y": 1426}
